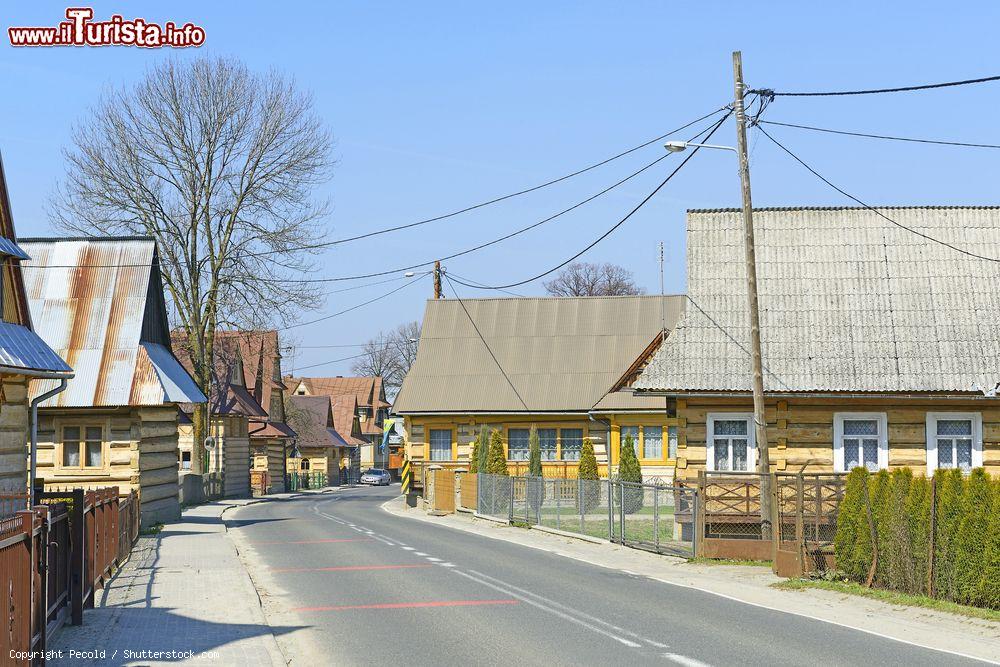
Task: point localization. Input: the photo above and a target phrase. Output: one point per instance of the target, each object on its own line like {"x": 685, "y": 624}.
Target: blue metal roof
{"x": 22, "y": 348}
{"x": 8, "y": 247}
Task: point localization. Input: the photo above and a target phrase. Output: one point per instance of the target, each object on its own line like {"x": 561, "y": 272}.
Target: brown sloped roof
{"x": 260, "y": 352}
{"x": 229, "y": 393}
{"x": 367, "y": 390}
{"x": 312, "y": 419}
{"x": 561, "y": 354}
{"x": 345, "y": 411}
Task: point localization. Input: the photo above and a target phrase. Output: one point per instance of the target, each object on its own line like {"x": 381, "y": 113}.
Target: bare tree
{"x": 586, "y": 279}
{"x": 390, "y": 355}
{"x": 218, "y": 164}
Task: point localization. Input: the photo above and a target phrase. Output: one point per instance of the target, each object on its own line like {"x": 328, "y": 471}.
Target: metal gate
{"x": 648, "y": 516}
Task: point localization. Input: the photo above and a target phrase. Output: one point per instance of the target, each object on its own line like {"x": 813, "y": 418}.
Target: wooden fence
{"x": 54, "y": 557}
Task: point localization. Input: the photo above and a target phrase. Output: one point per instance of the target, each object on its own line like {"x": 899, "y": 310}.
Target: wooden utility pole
{"x": 437, "y": 280}
{"x": 760, "y": 422}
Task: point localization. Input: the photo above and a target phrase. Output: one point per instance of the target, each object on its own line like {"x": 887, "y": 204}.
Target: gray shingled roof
{"x": 848, "y": 302}
{"x": 562, "y": 354}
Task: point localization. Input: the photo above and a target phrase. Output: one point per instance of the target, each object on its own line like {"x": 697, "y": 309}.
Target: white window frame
{"x": 838, "y": 437}
{"x": 710, "y": 438}
{"x": 977, "y": 437}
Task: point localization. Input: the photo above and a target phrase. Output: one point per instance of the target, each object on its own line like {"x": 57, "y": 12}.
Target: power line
{"x": 880, "y": 136}
{"x": 469, "y": 282}
{"x": 324, "y": 363}
{"x": 495, "y": 200}
{"x": 488, "y": 348}
{"x": 732, "y": 338}
{"x": 354, "y": 307}
{"x": 871, "y": 208}
{"x": 501, "y": 238}
{"x": 874, "y": 91}
{"x": 620, "y": 222}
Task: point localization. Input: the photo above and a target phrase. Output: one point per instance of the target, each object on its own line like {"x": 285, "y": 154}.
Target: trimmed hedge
{"x": 949, "y": 549}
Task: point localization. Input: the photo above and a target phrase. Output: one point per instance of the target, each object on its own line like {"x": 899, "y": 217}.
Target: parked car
{"x": 376, "y": 477}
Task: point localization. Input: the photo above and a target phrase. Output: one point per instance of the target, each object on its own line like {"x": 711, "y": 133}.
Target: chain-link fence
{"x": 494, "y": 494}
{"x": 640, "y": 515}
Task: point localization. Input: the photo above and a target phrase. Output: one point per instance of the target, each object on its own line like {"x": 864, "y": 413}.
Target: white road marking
{"x": 421, "y": 553}
{"x": 551, "y": 610}
{"x": 409, "y": 548}
{"x": 433, "y": 559}
{"x": 592, "y": 619}
{"x": 684, "y": 660}
{"x": 446, "y": 564}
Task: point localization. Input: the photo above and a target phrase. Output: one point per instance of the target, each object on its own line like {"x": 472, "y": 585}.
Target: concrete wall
{"x": 13, "y": 434}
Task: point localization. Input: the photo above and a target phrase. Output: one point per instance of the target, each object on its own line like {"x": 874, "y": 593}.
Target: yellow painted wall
{"x": 465, "y": 429}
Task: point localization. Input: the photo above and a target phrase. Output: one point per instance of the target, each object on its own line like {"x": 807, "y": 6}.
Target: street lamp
{"x": 678, "y": 146}
{"x": 408, "y": 274}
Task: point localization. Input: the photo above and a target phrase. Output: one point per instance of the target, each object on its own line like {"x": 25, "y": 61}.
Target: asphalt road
{"x": 348, "y": 583}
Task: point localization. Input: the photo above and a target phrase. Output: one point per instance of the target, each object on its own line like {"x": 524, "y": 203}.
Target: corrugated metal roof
{"x": 11, "y": 249}
{"x": 22, "y": 348}
{"x": 562, "y": 354}
{"x": 848, "y": 302}
{"x": 90, "y": 303}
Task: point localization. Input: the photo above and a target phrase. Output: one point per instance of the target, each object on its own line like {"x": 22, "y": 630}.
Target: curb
{"x": 564, "y": 533}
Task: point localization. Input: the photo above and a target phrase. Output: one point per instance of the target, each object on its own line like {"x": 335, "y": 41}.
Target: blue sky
{"x": 438, "y": 105}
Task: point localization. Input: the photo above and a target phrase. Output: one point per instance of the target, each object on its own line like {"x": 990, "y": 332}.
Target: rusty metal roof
{"x": 99, "y": 303}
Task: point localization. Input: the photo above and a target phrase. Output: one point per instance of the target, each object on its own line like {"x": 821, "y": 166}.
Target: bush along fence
{"x": 54, "y": 557}
{"x": 630, "y": 513}
{"x": 938, "y": 536}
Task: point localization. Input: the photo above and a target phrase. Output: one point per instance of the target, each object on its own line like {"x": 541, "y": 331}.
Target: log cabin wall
{"x": 801, "y": 429}
{"x": 138, "y": 450}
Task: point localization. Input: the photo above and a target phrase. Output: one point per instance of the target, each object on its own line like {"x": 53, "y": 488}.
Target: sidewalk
{"x": 182, "y": 590}
{"x": 752, "y": 585}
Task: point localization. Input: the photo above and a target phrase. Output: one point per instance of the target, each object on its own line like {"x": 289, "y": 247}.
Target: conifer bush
{"x": 588, "y": 490}
{"x": 895, "y": 537}
{"x": 950, "y": 489}
{"x": 852, "y": 542}
{"x": 965, "y": 563}
{"x": 629, "y": 470}
{"x": 482, "y": 448}
{"x": 496, "y": 464}
{"x": 918, "y": 516}
{"x": 474, "y": 457}
{"x": 989, "y": 585}
{"x": 535, "y": 490}
{"x": 971, "y": 539}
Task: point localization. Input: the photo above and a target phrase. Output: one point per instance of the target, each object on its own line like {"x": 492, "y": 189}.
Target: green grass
{"x": 730, "y": 561}
{"x": 891, "y": 597}
{"x": 152, "y": 530}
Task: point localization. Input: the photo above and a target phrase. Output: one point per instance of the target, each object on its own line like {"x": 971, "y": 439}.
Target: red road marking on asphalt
{"x": 343, "y": 539}
{"x": 350, "y": 568}
{"x": 410, "y": 605}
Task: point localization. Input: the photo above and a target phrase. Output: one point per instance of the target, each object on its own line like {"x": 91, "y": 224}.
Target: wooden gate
{"x": 444, "y": 491}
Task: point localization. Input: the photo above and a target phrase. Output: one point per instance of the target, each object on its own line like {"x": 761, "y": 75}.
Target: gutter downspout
{"x": 33, "y": 452}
